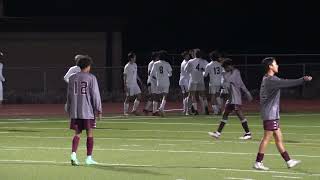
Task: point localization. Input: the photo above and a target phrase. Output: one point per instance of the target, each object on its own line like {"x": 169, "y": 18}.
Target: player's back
{"x": 196, "y": 68}
{"x": 184, "y": 75}
{"x": 150, "y": 66}
{"x": 83, "y": 96}
{"x": 162, "y": 71}
{"x": 215, "y": 70}
{"x": 130, "y": 70}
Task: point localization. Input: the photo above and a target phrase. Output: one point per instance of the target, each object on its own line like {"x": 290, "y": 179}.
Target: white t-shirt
{"x": 73, "y": 70}
{"x": 184, "y": 75}
{"x": 195, "y": 67}
{"x": 150, "y": 66}
{"x": 215, "y": 70}
{"x": 162, "y": 71}
{"x": 130, "y": 69}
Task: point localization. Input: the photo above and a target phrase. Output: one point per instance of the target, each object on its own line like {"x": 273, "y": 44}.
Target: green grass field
{"x": 147, "y": 148}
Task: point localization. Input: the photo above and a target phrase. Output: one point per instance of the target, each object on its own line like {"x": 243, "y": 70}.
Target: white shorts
{"x": 153, "y": 89}
{"x": 196, "y": 87}
{"x": 163, "y": 89}
{"x": 214, "y": 89}
{"x": 133, "y": 90}
{"x": 184, "y": 89}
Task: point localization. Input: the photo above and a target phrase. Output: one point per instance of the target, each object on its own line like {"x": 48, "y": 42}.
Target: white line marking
{"x": 238, "y": 178}
{"x": 154, "y": 166}
{"x": 158, "y": 139}
{"x": 167, "y": 144}
{"x": 129, "y": 145}
{"x": 154, "y": 150}
{"x": 288, "y": 177}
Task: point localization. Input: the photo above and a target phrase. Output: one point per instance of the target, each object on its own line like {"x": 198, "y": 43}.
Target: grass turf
{"x": 170, "y": 148}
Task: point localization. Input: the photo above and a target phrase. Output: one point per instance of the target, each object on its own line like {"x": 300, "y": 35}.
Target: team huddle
{"x": 225, "y": 85}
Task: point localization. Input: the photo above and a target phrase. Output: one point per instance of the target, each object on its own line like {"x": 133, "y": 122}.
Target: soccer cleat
{"x": 187, "y": 113}
{"x": 196, "y": 112}
{"x": 135, "y": 113}
{"x": 206, "y": 111}
{"x": 90, "y": 161}
{"x": 146, "y": 112}
{"x": 260, "y": 166}
{"x": 214, "y": 134}
{"x": 125, "y": 114}
{"x": 246, "y": 136}
{"x": 156, "y": 113}
{"x": 74, "y": 160}
{"x": 192, "y": 109}
{"x": 292, "y": 163}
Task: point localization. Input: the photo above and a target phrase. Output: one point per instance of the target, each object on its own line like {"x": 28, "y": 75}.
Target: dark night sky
{"x": 238, "y": 26}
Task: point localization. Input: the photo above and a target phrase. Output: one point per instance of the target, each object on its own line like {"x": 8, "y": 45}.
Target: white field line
{"x": 238, "y": 178}
{"x": 154, "y": 166}
{"x": 130, "y": 118}
{"x": 287, "y": 177}
{"x": 155, "y": 123}
{"x": 155, "y": 139}
{"x": 57, "y": 162}
{"x": 151, "y": 150}
{"x": 144, "y": 130}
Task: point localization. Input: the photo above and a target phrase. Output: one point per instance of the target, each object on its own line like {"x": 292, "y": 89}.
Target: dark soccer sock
{"x": 75, "y": 143}
{"x": 285, "y": 156}
{"x": 245, "y": 126}
{"x": 89, "y": 146}
{"x": 260, "y": 157}
{"x": 221, "y": 126}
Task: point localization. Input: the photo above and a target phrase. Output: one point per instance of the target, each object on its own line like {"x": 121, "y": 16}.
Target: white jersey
{"x": 214, "y": 70}
{"x": 73, "y": 70}
{"x": 2, "y": 79}
{"x": 150, "y": 79}
{"x": 130, "y": 69}
{"x": 162, "y": 71}
{"x": 184, "y": 75}
{"x": 195, "y": 67}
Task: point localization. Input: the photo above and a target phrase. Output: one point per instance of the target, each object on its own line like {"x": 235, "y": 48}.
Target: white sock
{"x": 125, "y": 107}
{"x": 195, "y": 106}
{"x": 147, "y": 107}
{"x": 189, "y": 102}
{"x": 163, "y": 103}
{"x": 205, "y": 102}
{"x": 135, "y": 105}
{"x": 154, "y": 106}
{"x": 215, "y": 109}
{"x": 185, "y": 105}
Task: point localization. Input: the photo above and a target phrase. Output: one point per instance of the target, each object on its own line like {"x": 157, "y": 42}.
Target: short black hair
{"x": 131, "y": 55}
{"x": 267, "y": 62}
{"x": 154, "y": 54}
{"x": 163, "y": 55}
{"x": 215, "y": 55}
{"x": 227, "y": 62}
{"x": 198, "y": 53}
{"x": 84, "y": 61}
{"x": 185, "y": 53}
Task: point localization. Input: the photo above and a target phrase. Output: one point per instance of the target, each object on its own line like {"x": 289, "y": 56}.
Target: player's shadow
{"x": 127, "y": 169}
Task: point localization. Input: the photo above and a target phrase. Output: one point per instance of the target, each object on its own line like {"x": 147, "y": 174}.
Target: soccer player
{"x": 184, "y": 81}
{"x": 83, "y": 106}
{"x": 131, "y": 86}
{"x": 152, "y": 88}
{"x": 215, "y": 70}
{"x": 74, "y": 69}
{"x": 269, "y": 101}
{"x": 195, "y": 68}
{"x": 2, "y": 79}
{"x": 162, "y": 71}
{"x": 234, "y": 84}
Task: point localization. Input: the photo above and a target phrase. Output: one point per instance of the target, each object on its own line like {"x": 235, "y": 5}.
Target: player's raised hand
{"x": 307, "y": 78}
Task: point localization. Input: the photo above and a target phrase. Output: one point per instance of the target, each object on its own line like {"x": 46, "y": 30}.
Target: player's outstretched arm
{"x": 285, "y": 83}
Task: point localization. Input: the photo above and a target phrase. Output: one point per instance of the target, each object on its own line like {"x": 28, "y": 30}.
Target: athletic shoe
{"x": 292, "y": 163}
{"x": 156, "y": 114}
{"x": 192, "y": 109}
{"x": 187, "y": 113}
{"x": 74, "y": 160}
{"x": 90, "y": 161}
{"x": 246, "y": 136}
{"x": 146, "y": 112}
{"x": 196, "y": 112}
{"x": 125, "y": 114}
{"x": 214, "y": 134}
{"x": 206, "y": 111}
{"x": 135, "y": 113}
{"x": 260, "y": 166}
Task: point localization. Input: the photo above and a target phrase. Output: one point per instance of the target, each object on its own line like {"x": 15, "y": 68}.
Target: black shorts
{"x": 271, "y": 125}
{"x": 82, "y": 124}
